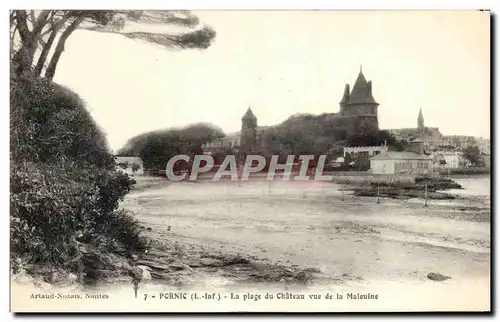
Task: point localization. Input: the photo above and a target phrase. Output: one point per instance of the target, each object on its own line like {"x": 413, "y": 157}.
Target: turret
{"x": 345, "y": 101}
{"x": 362, "y": 108}
{"x": 248, "y": 139}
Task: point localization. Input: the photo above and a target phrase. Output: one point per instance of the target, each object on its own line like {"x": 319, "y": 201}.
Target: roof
{"x": 137, "y": 160}
{"x": 392, "y": 155}
{"x": 345, "y": 98}
{"x": 420, "y": 116}
{"x": 362, "y": 91}
{"x": 249, "y": 115}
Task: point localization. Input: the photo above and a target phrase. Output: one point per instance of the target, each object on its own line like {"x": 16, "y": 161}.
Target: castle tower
{"x": 362, "y": 107}
{"x": 248, "y": 138}
{"x": 420, "y": 121}
{"x": 345, "y": 100}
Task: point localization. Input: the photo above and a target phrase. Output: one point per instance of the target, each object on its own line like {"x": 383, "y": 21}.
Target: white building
{"x": 413, "y": 161}
{"x": 400, "y": 163}
{"x": 368, "y": 151}
{"x": 130, "y": 165}
{"x": 449, "y": 159}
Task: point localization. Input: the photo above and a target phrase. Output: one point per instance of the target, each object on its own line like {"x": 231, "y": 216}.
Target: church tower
{"x": 360, "y": 106}
{"x": 420, "y": 122}
{"x": 248, "y": 139}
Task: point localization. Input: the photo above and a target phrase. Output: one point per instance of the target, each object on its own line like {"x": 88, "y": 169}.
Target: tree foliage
{"x": 310, "y": 134}
{"x": 302, "y": 134}
{"x": 157, "y": 147}
{"x": 473, "y": 154}
{"x": 34, "y": 35}
{"x": 64, "y": 188}
{"x": 377, "y": 139}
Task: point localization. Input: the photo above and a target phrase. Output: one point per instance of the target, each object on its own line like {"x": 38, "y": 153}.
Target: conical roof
{"x": 345, "y": 98}
{"x": 362, "y": 91}
{"x": 420, "y": 116}
{"x": 249, "y": 115}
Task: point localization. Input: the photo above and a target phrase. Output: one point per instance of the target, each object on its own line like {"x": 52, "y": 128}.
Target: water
{"x": 473, "y": 186}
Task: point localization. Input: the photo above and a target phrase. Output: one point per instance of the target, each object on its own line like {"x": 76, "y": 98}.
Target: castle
{"x": 358, "y": 115}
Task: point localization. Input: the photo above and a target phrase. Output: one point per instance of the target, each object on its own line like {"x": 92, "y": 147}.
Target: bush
{"x": 65, "y": 190}
{"x": 49, "y": 123}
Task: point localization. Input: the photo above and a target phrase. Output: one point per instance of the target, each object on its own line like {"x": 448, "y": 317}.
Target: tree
{"x": 379, "y": 138}
{"x": 123, "y": 165}
{"x": 473, "y": 154}
{"x": 135, "y": 167}
{"x": 31, "y": 32}
{"x": 157, "y": 147}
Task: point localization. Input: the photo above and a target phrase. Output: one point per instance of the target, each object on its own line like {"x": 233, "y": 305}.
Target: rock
{"x": 145, "y": 272}
{"x": 177, "y": 265}
{"x": 23, "y": 278}
{"x": 437, "y": 277}
{"x": 313, "y": 270}
{"x": 72, "y": 277}
{"x": 210, "y": 262}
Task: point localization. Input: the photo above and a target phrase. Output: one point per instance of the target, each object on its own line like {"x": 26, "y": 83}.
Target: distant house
{"x": 130, "y": 165}
{"x": 449, "y": 159}
{"x": 367, "y": 151}
{"x": 413, "y": 161}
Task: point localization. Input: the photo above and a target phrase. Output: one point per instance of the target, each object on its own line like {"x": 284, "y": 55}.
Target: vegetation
{"x": 302, "y": 134}
{"x": 473, "y": 154}
{"x": 65, "y": 189}
{"x": 381, "y": 137}
{"x": 157, "y": 147}
{"x": 135, "y": 167}
{"x": 48, "y": 30}
{"x": 464, "y": 171}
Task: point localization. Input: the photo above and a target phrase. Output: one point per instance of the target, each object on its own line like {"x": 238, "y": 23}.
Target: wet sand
{"x": 307, "y": 224}
{"x": 259, "y": 237}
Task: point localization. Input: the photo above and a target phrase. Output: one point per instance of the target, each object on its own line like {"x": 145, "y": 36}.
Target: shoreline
{"x": 181, "y": 256}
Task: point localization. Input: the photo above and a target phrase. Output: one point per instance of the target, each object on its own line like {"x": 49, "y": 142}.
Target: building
{"x": 431, "y": 136}
{"x": 358, "y": 109}
{"x": 358, "y": 115}
{"x": 484, "y": 145}
{"x": 130, "y": 165}
{"x": 459, "y": 142}
{"x": 449, "y": 159}
{"x": 413, "y": 161}
{"x": 232, "y": 141}
{"x": 367, "y": 151}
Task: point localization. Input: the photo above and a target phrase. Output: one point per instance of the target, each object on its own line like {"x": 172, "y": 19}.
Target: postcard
{"x": 250, "y": 161}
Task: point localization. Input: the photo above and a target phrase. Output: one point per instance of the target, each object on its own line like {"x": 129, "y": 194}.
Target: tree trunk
{"x": 48, "y": 45}
{"x": 51, "y": 69}
{"x": 25, "y": 55}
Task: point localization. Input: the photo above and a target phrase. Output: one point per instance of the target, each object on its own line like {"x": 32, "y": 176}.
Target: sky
{"x": 285, "y": 62}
